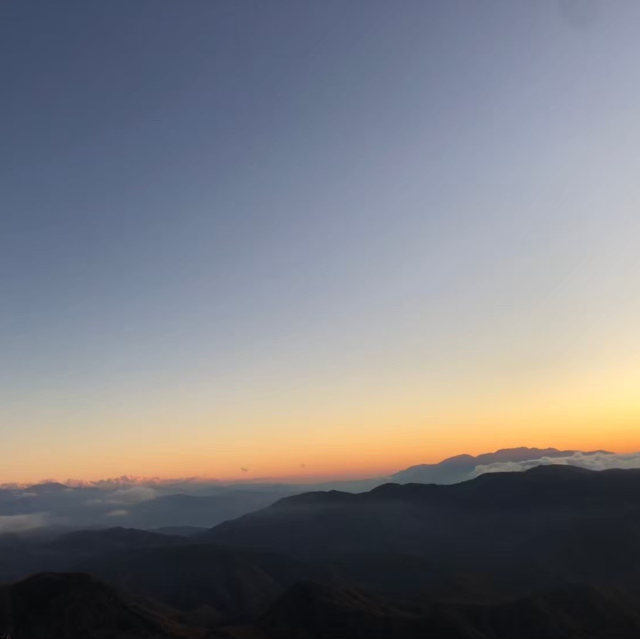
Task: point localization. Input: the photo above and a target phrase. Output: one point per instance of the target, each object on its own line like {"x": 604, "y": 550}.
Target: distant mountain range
{"x": 55, "y": 505}
{"x": 553, "y": 552}
{"x": 426, "y": 519}
{"x": 460, "y": 468}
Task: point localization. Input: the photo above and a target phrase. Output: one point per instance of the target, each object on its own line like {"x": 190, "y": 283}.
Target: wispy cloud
{"x": 595, "y": 461}
{"x": 118, "y": 513}
{"x": 129, "y": 481}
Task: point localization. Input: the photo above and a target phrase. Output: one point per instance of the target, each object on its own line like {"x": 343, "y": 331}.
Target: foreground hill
{"x": 209, "y": 582}
{"x": 312, "y": 611}
{"x": 75, "y": 606}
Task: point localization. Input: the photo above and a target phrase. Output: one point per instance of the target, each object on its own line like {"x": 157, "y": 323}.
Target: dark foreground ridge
{"x": 76, "y": 606}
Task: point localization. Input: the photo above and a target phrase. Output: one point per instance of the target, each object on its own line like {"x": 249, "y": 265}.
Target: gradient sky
{"x": 352, "y": 235}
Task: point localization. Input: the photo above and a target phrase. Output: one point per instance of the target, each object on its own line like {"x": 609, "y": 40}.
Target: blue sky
{"x": 231, "y": 224}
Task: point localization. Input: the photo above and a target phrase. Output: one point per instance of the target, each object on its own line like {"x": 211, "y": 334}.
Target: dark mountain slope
{"x": 311, "y": 611}
{"x": 75, "y": 606}
{"x": 111, "y": 539}
{"x": 504, "y": 534}
{"x": 570, "y": 612}
{"x": 22, "y": 555}
{"x": 180, "y": 531}
{"x": 224, "y": 582}
{"x": 500, "y": 509}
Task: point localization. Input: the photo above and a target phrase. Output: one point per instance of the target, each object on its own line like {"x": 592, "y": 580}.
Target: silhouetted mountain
{"x": 47, "y": 488}
{"x": 568, "y": 612}
{"x": 553, "y": 552}
{"x": 112, "y": 539}
{"x": 459, "y": 468}
{"x": 208, "y": 581}
{"x": 23, "y": 555}
{"x": 75, "y": 606}
{"x": 182, "y": 531}
{"x": 510, "y": 525}
{"x": 201, "y": 511}
{"x": 203, "y": 505}
{"x": 313, "y": 611}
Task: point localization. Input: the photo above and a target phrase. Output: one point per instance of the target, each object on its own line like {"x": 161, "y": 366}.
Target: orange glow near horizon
{"x": 384, "y": 452}
{"x": 341, "y": 429}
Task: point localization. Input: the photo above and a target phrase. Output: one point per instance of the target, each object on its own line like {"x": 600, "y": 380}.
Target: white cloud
{"x": 117, "y": 513}
{"x": 129, "y": 481}
{"x": 19, "y": 523}
{"x": 595, "y": 461}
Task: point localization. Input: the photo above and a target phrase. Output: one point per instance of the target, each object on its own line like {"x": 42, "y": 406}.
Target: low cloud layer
{"x": 595, "y": 461}
{"x": 129, "y": 481}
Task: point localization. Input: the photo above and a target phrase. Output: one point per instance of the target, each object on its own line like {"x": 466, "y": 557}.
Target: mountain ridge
{"x": 457, "y": 468}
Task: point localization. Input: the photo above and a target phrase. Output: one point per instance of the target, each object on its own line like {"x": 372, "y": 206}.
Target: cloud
{"x": 129, "y": 481}
{"x": 19, "y": 523}
{"x": 117, "y": 513}
{"x": 594, "y": 461}
{"x": 132, "y": 495}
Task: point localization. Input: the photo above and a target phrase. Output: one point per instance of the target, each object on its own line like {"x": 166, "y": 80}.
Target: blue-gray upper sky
{"x": 264, "y": 233}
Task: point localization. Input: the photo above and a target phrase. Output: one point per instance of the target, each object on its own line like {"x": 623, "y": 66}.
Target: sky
{"x": 315, "y": 238}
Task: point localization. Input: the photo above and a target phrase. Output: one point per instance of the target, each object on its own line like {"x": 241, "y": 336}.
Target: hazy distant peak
{"x": 461, "y": 467}
{"x": 456, "y": 459}
{"x": 47, "y": 487}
